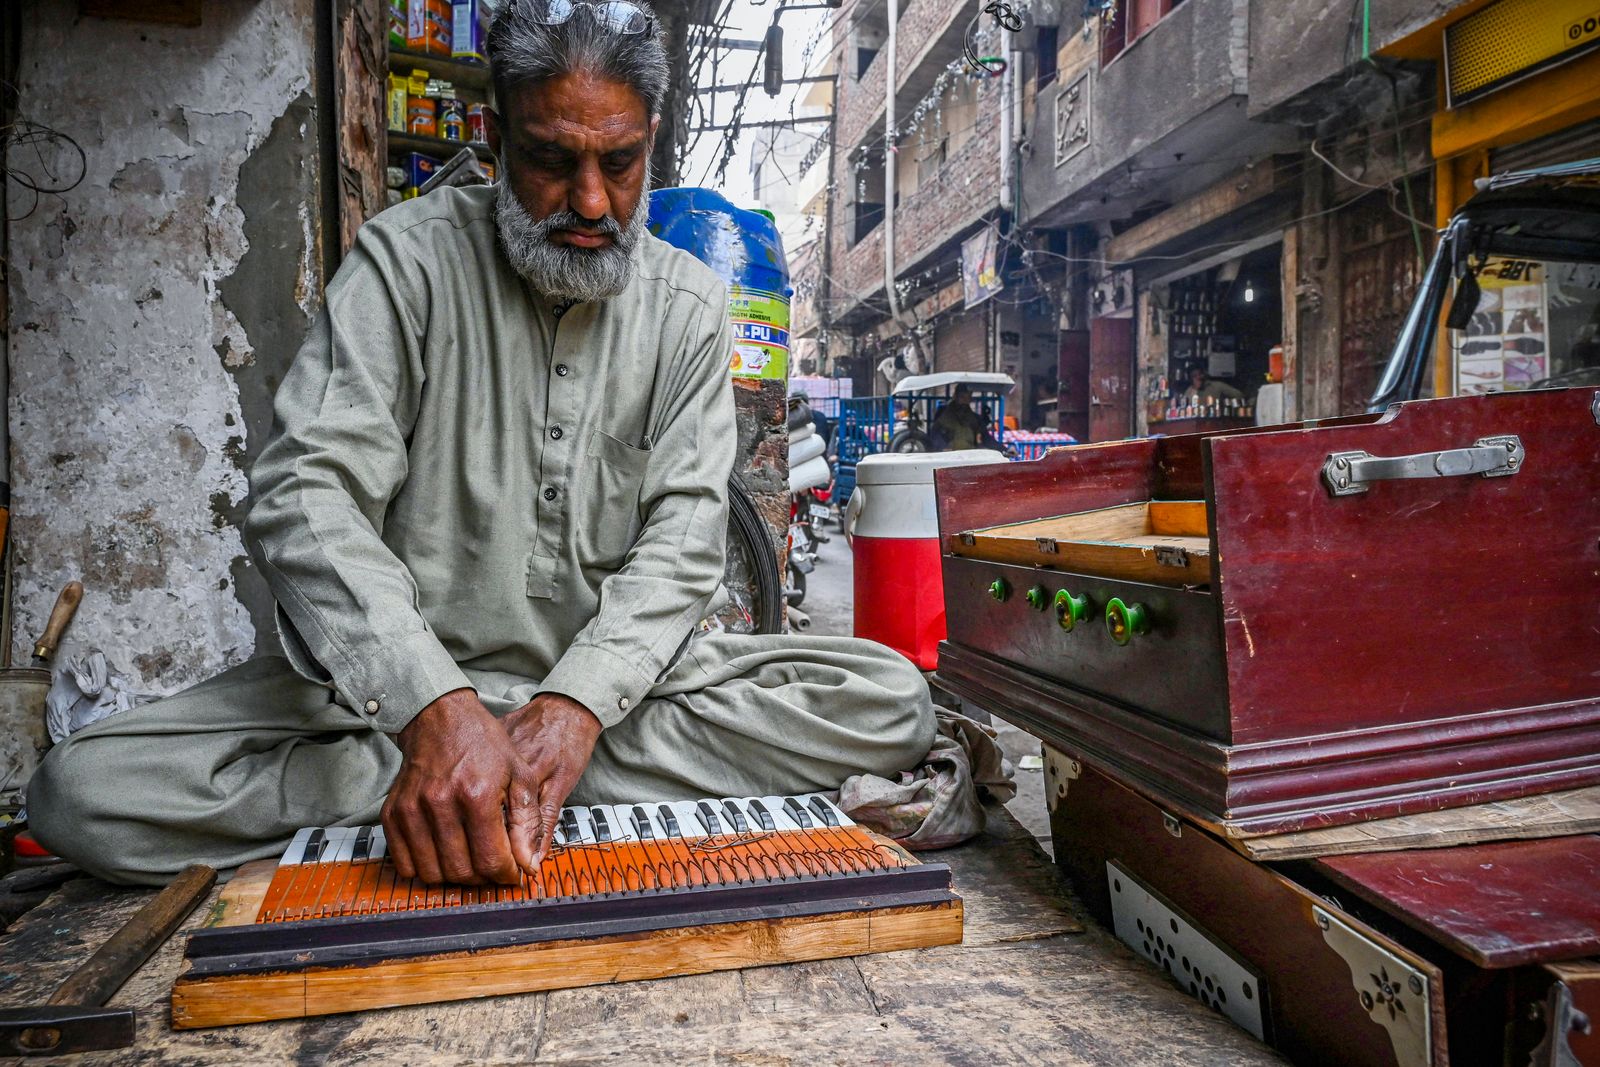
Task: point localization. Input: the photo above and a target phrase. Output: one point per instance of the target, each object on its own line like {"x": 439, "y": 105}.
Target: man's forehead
{"x": 579, "y": 110}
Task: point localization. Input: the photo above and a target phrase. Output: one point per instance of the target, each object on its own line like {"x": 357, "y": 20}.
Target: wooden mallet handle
{"x": 60, "y": 616}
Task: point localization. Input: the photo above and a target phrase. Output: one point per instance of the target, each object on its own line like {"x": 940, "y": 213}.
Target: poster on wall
{"x": 980, "y": 267}
{"x": 1505, "y": 346}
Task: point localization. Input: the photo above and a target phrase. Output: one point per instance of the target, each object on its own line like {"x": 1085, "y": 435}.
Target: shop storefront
{"x": 1519, "y": 87}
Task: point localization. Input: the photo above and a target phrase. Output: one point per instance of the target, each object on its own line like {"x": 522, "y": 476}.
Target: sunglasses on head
{"x": 618, "y": 16}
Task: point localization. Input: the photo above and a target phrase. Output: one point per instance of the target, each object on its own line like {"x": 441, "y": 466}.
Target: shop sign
{"x": 1513, "y": 39}
{"x": 980, "y": 267}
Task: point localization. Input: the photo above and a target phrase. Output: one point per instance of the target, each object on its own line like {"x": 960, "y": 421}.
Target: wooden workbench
{"x": 1033, "y": 982}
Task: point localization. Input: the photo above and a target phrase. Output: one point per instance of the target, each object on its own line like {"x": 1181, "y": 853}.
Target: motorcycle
{"x": 810, "y": 474}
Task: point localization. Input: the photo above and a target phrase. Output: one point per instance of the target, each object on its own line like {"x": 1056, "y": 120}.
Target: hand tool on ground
{"x": 75, "y": 1019}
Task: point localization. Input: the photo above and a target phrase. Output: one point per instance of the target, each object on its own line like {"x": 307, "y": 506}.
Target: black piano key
{"x": 824, "y": 812}
{"x": 314, "y": 846}
{"x": 708, "y": 818}
{"x": 797, "y": 813}
{"x": 569, "y": 826}
{"x": 641, "y": 824}
{"x": 763, "y": 817}
{"x": 735, "y": 817}
{"x": 363, "y": 846}
{"x": 602, "y": 826}
{"x": 669, "y": 821}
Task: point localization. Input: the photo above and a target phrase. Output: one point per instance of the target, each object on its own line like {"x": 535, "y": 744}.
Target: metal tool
{"x": 75, "y": 1019}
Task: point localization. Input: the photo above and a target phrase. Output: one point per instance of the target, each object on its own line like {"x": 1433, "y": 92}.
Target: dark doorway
{"x": 1072, "y": 374}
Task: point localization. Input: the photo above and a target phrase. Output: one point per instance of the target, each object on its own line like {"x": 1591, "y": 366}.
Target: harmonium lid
{"x": 1500, "y": 905}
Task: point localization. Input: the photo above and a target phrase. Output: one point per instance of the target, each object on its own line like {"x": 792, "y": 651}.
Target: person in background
{"x": 958, "y": 427}
{"x": 1204, "y": 387}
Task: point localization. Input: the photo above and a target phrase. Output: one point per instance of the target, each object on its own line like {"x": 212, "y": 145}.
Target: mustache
{"x": 605, "y": 226}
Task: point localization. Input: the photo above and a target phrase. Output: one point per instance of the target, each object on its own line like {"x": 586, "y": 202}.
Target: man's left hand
{"x": 555, "y": 736}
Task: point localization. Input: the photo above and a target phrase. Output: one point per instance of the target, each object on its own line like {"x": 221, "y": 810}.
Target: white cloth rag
{"x": 938, "y": 804}
{"x": 85, "y": 691}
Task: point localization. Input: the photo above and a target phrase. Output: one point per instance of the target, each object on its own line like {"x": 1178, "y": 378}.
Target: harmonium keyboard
{"x": 628, "y": 891}
{"x": 1279, "y": 628}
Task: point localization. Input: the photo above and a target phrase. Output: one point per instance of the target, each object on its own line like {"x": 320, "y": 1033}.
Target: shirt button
{"x": 561, "y": 370}
{"x": 372, "y": 707}
{"x": 550, "y": 494}
{"x": 555, "y": 433}
{"x": 623, "y": 704}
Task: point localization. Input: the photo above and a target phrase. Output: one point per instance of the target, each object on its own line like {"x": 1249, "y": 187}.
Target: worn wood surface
{"x": 1117, "y": 542}
{"x": 1499, "y": 905}
{"x": 1029, "y": 984}
{"x": 1574, "y": 811}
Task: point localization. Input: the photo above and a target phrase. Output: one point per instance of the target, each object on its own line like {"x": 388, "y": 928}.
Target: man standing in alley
{"x": 492, "y": 512}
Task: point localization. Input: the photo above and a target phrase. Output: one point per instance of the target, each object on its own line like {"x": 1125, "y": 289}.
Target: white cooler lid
{"x": 916, "y": 468}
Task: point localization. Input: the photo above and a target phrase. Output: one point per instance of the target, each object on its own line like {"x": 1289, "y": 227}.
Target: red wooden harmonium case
{"x": 1288, "y": 627}
{"x": 1463, "y": 956}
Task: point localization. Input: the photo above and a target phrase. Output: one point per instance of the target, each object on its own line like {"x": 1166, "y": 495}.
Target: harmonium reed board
{"x": 628, "y": 891}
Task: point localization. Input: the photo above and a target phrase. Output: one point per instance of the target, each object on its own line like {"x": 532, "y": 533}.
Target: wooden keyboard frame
{"x": 241, "y": 971}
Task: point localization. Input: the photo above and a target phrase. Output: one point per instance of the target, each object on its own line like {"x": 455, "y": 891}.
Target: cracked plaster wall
{"x": 153, "y": 310}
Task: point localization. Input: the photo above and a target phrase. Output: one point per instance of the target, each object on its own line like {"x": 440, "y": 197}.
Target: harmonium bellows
{"x": 1283, "y": 627}
{"x": 633, "y": 891}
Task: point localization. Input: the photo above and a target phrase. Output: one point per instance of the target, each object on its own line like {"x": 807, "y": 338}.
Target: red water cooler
{"x": 893, "y": 526}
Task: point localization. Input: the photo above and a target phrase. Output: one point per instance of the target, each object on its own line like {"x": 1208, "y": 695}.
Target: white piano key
{"x": 735, "y": 819}
{"x": 297, "y": 846}
{"x": 618, "y": 820}
{"x": 585, "y": 823}
{"x": 811, "y": 800}
{"x": 688, "y": 816}
{"x": 780, "y": 816}
{"x": 341, "y": 844}
{"x": 378, "y": 848}
{"x": 666, "y": 817}
{"x": 642, "y": 821}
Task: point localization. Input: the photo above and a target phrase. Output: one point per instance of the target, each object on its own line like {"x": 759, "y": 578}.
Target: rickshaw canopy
{"x": 979, "y": 381}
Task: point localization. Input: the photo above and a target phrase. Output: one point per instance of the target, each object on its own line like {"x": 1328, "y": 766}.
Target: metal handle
{"x": 852, "y": 510}
{"x": 1348, "y": 473}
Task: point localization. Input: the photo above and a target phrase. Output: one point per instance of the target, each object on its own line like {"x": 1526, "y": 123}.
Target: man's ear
{"x": 650, "y": 142}
{"x": 491, "y": 130}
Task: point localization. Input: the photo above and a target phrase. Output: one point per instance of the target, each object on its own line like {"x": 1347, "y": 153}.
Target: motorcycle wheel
{"x": 797, "y": 587}
{"x": 750, "y": 573}
{"x": 909, "y": 440}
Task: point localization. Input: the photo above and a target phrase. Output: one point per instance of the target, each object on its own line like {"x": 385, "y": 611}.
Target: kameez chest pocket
{"x": 610, "y": 513}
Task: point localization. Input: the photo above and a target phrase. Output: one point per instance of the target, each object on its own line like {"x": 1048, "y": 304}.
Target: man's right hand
{"x": 460, "y": 787}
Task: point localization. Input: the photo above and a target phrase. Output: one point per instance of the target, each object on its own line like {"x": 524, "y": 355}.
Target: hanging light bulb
{"x": 1249, "y": 293}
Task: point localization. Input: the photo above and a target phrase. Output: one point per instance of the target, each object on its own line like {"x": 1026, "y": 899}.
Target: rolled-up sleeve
{"x": 650, "y": 607}
{"x": 320, "y": 489}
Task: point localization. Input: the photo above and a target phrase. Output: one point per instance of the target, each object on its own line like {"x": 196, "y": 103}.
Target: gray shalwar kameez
{"x": 468, "y": 485}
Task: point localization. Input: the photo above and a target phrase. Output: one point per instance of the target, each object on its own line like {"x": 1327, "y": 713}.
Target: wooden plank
{"x": 1116, "y": 542}
{"x": 1478, "y": 899}
{"x": 1575, "y": 811}
{"x": 1227, "y": 196}
{"x": 220, "y": 1001}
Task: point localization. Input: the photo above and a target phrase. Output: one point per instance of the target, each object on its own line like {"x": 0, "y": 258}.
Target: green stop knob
{"x": 1125, "y": 620}
{"x": 1038, "y": 598}
{"x": 1071, "y": 610}
{"x": 999, "y": 589}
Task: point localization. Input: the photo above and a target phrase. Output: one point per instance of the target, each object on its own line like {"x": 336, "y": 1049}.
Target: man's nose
{"x": 588, "y": 194}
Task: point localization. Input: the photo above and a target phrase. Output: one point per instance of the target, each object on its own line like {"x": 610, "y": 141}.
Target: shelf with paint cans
{"x": 438, "y": 89}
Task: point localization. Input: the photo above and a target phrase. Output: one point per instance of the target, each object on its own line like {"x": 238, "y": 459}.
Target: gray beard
{"x": 563, "y": 272}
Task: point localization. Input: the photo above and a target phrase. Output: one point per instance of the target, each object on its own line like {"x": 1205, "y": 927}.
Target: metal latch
{"x": 1348, "y": 473}
{"x": 1172, "y": 556}
{"x": 1047, "y": 545}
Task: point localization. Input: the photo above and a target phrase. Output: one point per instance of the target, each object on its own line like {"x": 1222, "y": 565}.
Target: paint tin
{"x": 452, "y": 120}
{"x": 422, "y": 116}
